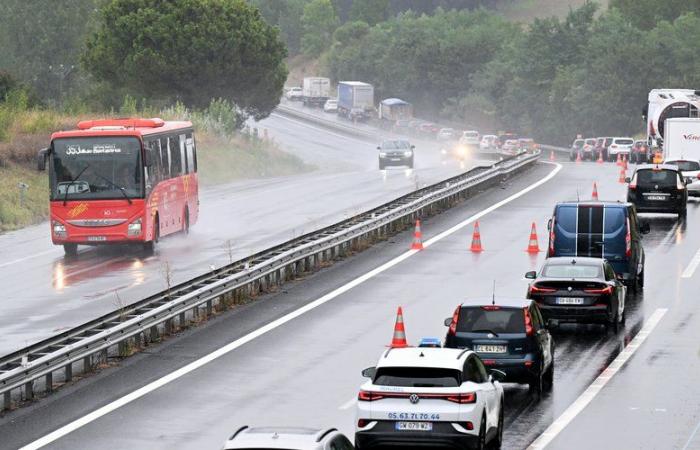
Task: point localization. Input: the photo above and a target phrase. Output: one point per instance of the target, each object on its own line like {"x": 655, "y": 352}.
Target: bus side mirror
{"x": 41, "y": 159}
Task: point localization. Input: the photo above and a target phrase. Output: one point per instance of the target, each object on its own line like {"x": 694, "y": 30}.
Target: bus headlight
{"x": 135, "y": 227}
{"x": 59, "y": 230}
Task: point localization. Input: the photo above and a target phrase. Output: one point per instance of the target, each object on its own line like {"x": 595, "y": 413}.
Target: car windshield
{"x": 624, "y": 141}
{"x": 571, "y": 271}
{"x": 665, "y": 178}
{"x": 96, "y": 168}
{"x": 686, "y": 166}
{"x": 395, "y": 145}
{"x": 497, "y": 320}
{"x": 417, "y": 377}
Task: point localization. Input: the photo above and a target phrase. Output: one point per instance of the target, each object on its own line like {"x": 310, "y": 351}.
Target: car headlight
{"x": 59, "y": 230}
{"x": 382, "y": 154}
{"x": 135, "y": 227}
{"x": 407, "y": 153}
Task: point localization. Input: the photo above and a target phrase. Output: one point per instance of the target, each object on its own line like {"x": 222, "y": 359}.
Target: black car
{"x": 658, "y": 188}
{"x": 509, "y": 335}
{"x": 578, "y": 290}
{"x": 395, "y": 152}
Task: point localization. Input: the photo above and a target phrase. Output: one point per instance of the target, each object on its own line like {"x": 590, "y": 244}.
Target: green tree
{"x": 287, "y": 16}
{"x": 369, "y": 11}
{"x": 645, "y": 14}
{"x": 190, "y": 50}
{"x": 319, "y": 21}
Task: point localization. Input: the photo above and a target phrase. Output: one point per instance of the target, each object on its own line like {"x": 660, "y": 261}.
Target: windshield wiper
{"x": 121, "y": 189}
{"x": 73, "y": 180}
{"x": 484, "y": 331}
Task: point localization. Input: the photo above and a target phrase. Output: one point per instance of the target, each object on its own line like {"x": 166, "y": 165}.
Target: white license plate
{"x": 569, "y": 301}
{"x": 490, "y": 348}
{"x": 97, "y": 238}
{"x": 414, "y": 426}
{"x": 656, "y": 197}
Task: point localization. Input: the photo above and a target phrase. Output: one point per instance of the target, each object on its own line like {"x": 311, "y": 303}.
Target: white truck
{"x": 682, "y": 139}
{"x": 355, "y": 99}
{"x": 667, "y": 104}
{"x": 315, "y": 91}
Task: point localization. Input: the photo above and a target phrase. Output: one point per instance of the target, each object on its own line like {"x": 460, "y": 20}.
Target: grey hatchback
{"x": 289, "y": 438}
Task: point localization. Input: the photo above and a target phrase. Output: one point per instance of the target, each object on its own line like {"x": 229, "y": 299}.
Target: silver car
{"x": 289, "y": 438}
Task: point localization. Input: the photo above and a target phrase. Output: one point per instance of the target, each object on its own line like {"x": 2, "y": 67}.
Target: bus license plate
{"x": 414, "y": 426}
{"x": 570, "y": 301}
{"x": 490, "y": 348}
{"x": 97, "y": 238}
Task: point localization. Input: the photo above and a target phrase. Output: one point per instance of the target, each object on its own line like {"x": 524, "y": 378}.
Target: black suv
{"x": 509, "y": 335}
{"x": 395, "y": 152}
{"x": 658, "y": 188}
{"x": 580, "y": 290}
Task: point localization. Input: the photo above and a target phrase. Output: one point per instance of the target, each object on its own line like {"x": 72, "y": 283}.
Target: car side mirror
{"x": 413, "y": 147}
{"x": 496, "y": 375}
{"x": 369, "y": 372}
{"x": 628, "y": 179}
{"x": 41, "y": 159}
{"x": 379, "y": 148}
{"x": 448, "y": 321}
{"x": 531, "y": 275}
{"x": 645, "y": 228}
{"x": 549, "y": 224}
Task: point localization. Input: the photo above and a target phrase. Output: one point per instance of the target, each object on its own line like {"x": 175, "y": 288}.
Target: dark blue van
{"x": 609, "y": 230}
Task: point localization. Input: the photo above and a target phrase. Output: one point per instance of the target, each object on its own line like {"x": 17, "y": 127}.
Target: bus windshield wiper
{"x": 119, "y": 188}
{"x": 73, "y": 180}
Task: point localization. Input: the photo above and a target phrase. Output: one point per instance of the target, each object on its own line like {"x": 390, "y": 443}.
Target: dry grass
{"x": 13, "y": 214}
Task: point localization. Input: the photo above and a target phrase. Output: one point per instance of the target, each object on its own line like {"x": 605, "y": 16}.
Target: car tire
{"x": 410, "y": 164}
{"x": 498, "y": 440}
{"x": 536, "y": 384}
{"x": 640, "y": 279}
{"x": 71, "y": 250}
{"x": 683, "y": 213}
{"x": 571, "y": 157}
{"x": 481, "y": 444}
{"x": 615, "y": 323}
{"x": 549, "y": 377}
{"x": 381, "y": 166}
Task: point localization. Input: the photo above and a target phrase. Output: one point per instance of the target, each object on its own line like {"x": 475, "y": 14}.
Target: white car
{"x": 294, "y": 93}
{"x": 289, "y": 438}
{"x": 470, "y": 138}
{"x": 424, "y": 396}
{"x": 331, "y": 105}
{"x": 510, "y": 147}
{"x": 488, "y": 143}
{"x": 691, "y": 173}
{"x": 445, "y": 134}
{"x": 620, "y": 146}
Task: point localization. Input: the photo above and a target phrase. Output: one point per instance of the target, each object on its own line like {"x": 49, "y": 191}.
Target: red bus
{"x": 121, "y": 181}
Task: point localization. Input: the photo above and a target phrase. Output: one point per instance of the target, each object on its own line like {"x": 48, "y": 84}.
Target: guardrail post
{"x": 69, "y": 372}
{"x": 49, "y": 382}
{"x": 7, "y": 404}
{"x": 209, "y": 307}
{"x": 103, "y": 356}
{"x": 182, "y": 321}
{"x": 29, "y": 390}
{"x": 87, "y": 364}
{"x": 154, "y": 333}
{"x": 169, "y": 326}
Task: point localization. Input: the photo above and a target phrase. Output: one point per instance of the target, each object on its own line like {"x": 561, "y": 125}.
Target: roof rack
{"x": 325, "y": 433}
{"x": 121, "y": 122}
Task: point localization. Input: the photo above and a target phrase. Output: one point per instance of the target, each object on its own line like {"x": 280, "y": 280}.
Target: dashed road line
{"x": 692, "y": 266}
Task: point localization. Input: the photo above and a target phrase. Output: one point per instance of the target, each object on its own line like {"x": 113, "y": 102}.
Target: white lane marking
{"x": 116, "y": 404}
{"x": 589, "y": 394}
{"x": 694, "y": 263}
{"x": 349, "y": 404}
{"x": 36, "y": 255}
{"x": 692, "y": 436}
{"x": 325, "y": 130}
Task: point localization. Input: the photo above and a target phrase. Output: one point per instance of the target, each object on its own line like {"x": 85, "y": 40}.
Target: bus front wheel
{"x": 150, "y": 246}
{"x": 71, "y": 250}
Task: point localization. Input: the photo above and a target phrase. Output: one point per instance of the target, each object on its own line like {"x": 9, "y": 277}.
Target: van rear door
{"x": 615, "y": 232}
{"x": 590, "y": 231}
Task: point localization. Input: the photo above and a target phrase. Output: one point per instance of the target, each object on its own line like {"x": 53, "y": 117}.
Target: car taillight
{"x": 551, "y": 237}
{"x": 606, "y": 291}
{"x": 698, "y": 177}
{"x": 469, "y": 397}
{"x": 361, "y": 423}
{"x": 491, "y": 308}
{"x": 680, "y": 185}
{"x": 369, "y": 396}
{"x": 613, "y": 146}
{"x": 469, "y": 426}
{"x": 628, "y": 240}
{"x": 453, "y": 325}
{"x": 529, "y": 331}
{"x": 534, "y": 289}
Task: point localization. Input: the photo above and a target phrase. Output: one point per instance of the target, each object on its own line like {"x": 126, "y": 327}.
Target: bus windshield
{"x": 96, "y": 168}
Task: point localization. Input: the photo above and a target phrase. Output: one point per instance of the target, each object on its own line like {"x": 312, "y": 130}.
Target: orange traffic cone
{"x": 533, "y": 246}
{"x": 551, "y": 155}
{"x": 619, "y": 159}
{"x": 595, "y": 191}
{"x": 417, "y": 238}
{"x": 623, "y": 175}
{"x": 476, "y": 240}
{"x": 600, "y": 157}
{"x": 578, "y": 158}
{"x": 399, "y": 338}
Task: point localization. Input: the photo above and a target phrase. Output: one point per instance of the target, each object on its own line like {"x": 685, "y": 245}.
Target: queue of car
{"x": 609, "y": 149}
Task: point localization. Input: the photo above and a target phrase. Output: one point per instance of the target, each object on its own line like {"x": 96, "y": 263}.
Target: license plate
{"x": 656, "y": 197}
{"x": 414, "y": 426}
{"x": 396, "y": 159}
{"x": 569, "y": 301}
{"x": 97, "y": 238}
{"x": 490, "y": 348}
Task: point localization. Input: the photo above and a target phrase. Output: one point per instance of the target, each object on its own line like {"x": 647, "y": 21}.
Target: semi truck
{"x": 355, "y": 100}
{"x": 315, "y": 91}
{"x": 393, "y": 109}
{"x": 664, "y": 104}
{"x": 682, "y": 139}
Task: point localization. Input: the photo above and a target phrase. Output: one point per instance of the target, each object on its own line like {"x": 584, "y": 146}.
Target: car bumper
{"x": 402, "y": 161}
{"x": 672, "y": 206}
{"x": 694, "y": 189}
{"x": 575, "y": 314}
{"x": 443, "y": 435}
{"x": 517, "y": 370}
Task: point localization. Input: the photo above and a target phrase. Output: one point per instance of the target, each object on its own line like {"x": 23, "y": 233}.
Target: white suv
{"x": 430, "y": 396}
{"x": 620, "y": 146}
{"x": 470, "y": 138}
{"x": 291, "y": 438}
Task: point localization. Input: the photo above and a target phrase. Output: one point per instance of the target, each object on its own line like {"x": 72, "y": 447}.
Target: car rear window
{"x": 502, "y": 320}
{"x": 624, "y": 141}
{"x": 571, "y": 271}
{"x": 666, "y": 178}
{"x": 614, "y": 220}
{"x": 472, "y": 134}
{"x": 566, "y": 218}
{"x": 417, "y": 377}
{"x": 686, "y": 166}
{"x": 395, "y": 145}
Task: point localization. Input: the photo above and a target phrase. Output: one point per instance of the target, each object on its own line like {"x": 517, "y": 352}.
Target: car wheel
{"x": 571, "y": 157}
{"x": 410, "y": 164}
{"x": 381, "y": 166}
{"x": 614, "y": 324}
{"x": 481, "y": 445}
{"x": 549, "y": 377}
{"x": 71, "y": 250}
{"x": 498, "y": 440}
{"x": 537, "y": 383}
{"x": 683, "y": 213}
{"x": 640, "y": 279}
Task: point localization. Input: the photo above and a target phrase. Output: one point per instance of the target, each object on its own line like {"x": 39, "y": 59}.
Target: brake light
{"x": 606, "y": 291}
{"x": 680, "y": 185}
{"x": 469, "y": 426}
{"x": 534, "y": 289}
{"x": 491, "y": 308}
{"x": 361, "y": 423}
{"x": 613, "y": 146}
{"x": 529, "y": 331}
{"x": 369, "y": 396}
{"x": 453, "y": 325}
{"x": 462, "y": 399}
{"x": 628, "y": 240}
{"x": 698, "y": 176}
{"x": 551, "y": 237}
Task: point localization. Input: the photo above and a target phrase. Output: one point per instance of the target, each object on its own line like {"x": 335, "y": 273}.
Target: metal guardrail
{"x": 137, "y": 325}
{"x": 370, "y": 135}
{"x": 548, "y": 148}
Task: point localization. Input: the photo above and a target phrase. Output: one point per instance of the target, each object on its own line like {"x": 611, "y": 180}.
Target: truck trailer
{"x": 355, "y": 100}
{"x": 682, "y": 139}
{"x": 315, "y": 91}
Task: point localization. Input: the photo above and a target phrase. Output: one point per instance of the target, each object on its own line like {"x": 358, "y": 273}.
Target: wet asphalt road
{"x": 307, "y": 371}
{"x": 44, "y": 294}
